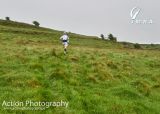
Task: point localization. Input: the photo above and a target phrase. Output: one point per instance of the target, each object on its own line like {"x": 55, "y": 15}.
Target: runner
{"x": 65, "y": 40}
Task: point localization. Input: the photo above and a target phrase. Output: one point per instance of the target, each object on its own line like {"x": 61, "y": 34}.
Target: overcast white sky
{"x": 89, "y": 17}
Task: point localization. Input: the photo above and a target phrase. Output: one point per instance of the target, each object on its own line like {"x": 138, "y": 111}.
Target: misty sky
{"x": 89, "y": 17}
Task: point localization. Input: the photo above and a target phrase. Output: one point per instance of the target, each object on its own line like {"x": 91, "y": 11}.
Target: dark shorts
{"x": 64, "y": 40}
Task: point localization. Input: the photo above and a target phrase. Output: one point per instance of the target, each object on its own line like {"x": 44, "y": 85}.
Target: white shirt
{"x": 64, "y": 37}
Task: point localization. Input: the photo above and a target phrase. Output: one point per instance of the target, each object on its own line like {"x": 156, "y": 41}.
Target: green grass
{"x": 95, "y": 77}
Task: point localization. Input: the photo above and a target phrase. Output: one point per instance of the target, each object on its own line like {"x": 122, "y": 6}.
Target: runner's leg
{"x": 65, "y": 47}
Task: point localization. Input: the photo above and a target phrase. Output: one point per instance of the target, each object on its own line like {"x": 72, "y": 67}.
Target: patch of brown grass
{"x": 33, "y": 83}
{"x": 143, "y": 86}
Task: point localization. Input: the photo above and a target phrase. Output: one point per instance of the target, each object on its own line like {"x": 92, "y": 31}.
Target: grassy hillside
{"x": 96, "y": 77}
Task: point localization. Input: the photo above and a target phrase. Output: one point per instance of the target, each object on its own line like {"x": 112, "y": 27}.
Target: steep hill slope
{"x": 95, "y": 77}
